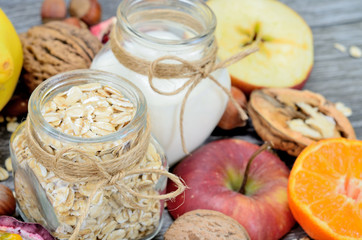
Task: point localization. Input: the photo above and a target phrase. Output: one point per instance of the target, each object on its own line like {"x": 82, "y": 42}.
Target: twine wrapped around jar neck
{"x": 194, "y": 71}
{"x": 103, "y": 173}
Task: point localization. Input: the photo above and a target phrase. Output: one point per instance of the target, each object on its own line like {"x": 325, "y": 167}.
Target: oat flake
{"x": 8, "y": 164}
{"x": 355, "y": 52}
{"x": 3, "y": 174}
{"x": 11, "y": 126}
{"x": 340, "y": 47}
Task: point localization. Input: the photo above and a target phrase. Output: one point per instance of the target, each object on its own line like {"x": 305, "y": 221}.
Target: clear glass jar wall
{"x": 45, "y": 198}
{"x": 149, "y": 31}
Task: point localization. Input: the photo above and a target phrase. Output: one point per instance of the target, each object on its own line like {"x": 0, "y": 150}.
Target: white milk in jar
{"x": 153, "y": 29}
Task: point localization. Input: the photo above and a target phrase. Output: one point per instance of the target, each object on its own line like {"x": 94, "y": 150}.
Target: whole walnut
{"x": 56, "y": 47}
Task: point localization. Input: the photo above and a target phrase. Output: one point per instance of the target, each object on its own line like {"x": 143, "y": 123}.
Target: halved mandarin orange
{"x": 325, "y": 189}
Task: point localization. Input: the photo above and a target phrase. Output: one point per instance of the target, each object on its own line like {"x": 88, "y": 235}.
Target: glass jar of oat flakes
{"x": 85, "y": 165}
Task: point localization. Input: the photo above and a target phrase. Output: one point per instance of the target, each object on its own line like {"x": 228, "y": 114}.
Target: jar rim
{"x": 200, "y": 8}
{"x": 64, "y": 80}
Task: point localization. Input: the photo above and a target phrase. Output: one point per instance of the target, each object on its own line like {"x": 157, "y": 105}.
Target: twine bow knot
{"x": 195, "y": 74}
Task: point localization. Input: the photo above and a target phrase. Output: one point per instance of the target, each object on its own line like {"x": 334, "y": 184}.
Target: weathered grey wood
{"x": 335, "y": 75}
{"x": 322, "y": 13}
{"x": 316, "y": 13}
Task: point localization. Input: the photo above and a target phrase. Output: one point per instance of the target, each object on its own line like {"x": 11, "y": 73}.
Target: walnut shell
{"x": 206, "y": 224}
{"x": 56, "y": 47}
{"x": 274, "y": 111}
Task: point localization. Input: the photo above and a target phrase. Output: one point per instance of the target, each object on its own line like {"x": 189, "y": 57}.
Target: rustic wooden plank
{"x": 323, "y": 13}
{"x": 22, "y": 15}
{"x": 316, "y": 13}
{"x": 337, "y": 75}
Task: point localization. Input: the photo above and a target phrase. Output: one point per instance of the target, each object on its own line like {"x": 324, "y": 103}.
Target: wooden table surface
{"x": 335, "y": 75}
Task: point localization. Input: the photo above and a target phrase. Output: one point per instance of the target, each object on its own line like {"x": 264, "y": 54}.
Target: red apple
{"x": 285, "y": 56}
{"x": 214, "y": 175}
{"x": 103, "y": 29}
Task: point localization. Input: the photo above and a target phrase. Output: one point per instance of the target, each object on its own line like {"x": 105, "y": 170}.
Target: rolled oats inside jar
{"x": 84, "y": 163}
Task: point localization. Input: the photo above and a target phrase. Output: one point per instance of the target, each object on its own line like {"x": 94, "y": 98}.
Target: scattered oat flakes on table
{"x": 3, "y": 174}
{"x": 11, "y": 119}
{"x": 11, "y": 126}
{"x": 355, "y": 52}
{"x": 340, "y": 47}
{"x": 8, "y": 164}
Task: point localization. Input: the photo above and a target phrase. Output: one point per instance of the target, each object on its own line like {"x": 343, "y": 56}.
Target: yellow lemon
{"x": 9, "y": 236}
{"x": 11, "y": 59}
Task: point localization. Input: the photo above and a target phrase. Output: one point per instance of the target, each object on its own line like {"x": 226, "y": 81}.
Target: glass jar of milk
{"x": 152, "y": 29}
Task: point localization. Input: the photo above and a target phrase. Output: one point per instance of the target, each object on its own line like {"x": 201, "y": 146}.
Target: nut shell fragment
{"x": 293, "y": 119}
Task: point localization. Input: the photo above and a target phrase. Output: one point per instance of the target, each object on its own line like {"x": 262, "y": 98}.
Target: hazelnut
{"x": 7, "y": 201}
{"x": 17, "y": 106}
{"x": 75, "y": 22}
{"x": 53, "y": 10}
{"x": 231, "y": 118}
{"x": 89, "y": 11}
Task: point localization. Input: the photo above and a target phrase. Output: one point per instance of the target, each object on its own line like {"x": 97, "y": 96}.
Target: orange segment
{"x": 325, "y": 189}
{"x": 320, "y": 162}
{"x": 326, "y": 208}
{"x": 311, "y": 187}
{"x": 355, "y": 164}
{"x": 347, "y": 221}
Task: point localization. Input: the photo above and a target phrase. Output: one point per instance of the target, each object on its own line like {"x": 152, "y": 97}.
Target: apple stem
{"x": 265, "y": 146}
